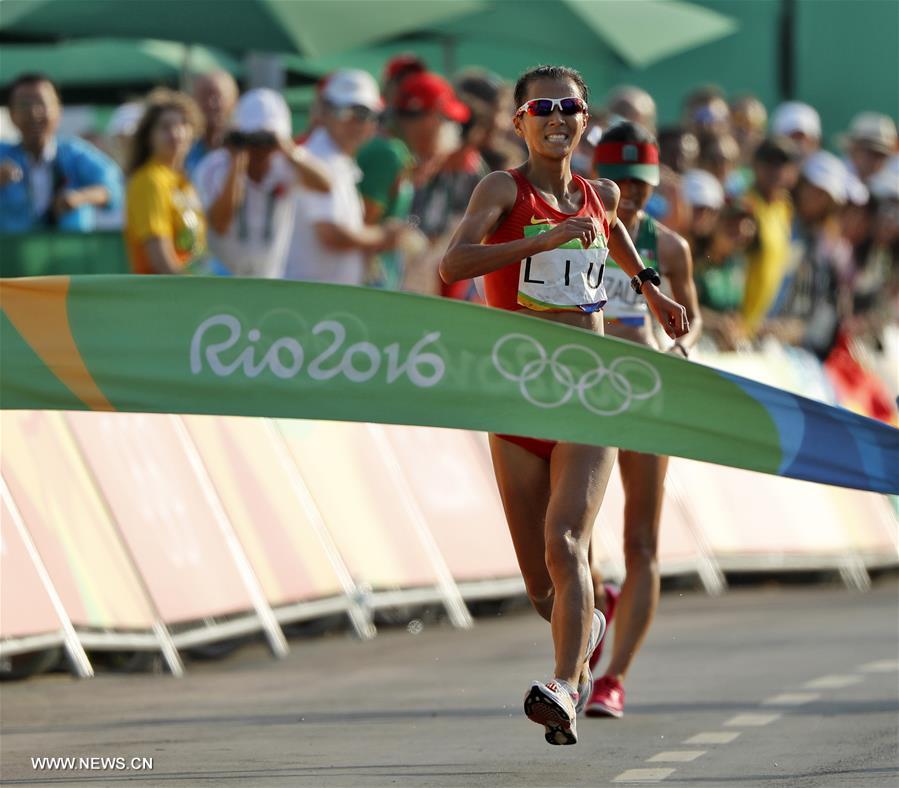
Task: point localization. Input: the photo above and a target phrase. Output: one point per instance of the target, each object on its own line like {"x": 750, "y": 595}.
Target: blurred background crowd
{"x": 794, "y": 232}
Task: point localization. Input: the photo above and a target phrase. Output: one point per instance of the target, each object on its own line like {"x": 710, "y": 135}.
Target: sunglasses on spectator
{"x": 357, "y": 112}
{"x": 544, "y": 107}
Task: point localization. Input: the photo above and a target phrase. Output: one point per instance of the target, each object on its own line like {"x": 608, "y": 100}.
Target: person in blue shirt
{"x": 50, "y": 182}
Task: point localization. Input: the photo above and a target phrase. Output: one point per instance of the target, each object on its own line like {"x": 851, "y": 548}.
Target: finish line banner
{"x": 293, "y": 349}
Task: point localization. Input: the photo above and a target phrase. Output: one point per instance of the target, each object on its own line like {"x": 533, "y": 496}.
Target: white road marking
{"x": 881, "y": 666}
{"x": 676, "y": 756}
{"x": 642, "y": 776}
{"x": 713, "y": 737}
{"x": 751, "y": 720}
{"x": 791, "y": 699}
{"x": 833, "y": 682}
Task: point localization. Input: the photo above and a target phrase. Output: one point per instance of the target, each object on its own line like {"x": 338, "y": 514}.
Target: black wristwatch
{"x": 646, "y": 275}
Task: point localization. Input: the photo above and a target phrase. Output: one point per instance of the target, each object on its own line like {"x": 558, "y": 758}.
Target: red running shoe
{"x": 607, "y": 699}
{"x": 613, "y": 593}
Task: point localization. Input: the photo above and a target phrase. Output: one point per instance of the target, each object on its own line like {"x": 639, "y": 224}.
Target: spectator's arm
{"x": 99, "y": 179}
{"x": 373, "y": 210}
{"x": 321, "y": 212}
{"x": 70, "y": 199}
{"x": 725, "y": 328}
{"x": 311, "y": 172}
{"x": 161, "y": 254}
{"x": 368, "y": 238}
{"x": 221, "y": 199}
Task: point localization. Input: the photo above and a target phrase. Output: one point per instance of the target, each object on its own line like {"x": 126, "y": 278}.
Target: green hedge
{"x": 45, "y": 254}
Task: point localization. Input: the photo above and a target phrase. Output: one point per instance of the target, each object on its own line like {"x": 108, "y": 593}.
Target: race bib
{"x": 567, "y": 278}
{"x": 623, "y": 301}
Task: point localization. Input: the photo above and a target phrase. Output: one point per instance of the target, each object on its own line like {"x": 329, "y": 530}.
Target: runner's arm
{"x": 467, "y": 255}
{"x": 670, "y": 314}
{"x": 677, "y": 265}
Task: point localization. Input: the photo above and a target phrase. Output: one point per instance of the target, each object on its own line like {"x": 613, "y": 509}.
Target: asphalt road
{"x": 765, "y": 686}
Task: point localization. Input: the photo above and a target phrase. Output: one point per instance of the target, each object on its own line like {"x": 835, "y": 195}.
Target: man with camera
{"x": 247, "y": 186}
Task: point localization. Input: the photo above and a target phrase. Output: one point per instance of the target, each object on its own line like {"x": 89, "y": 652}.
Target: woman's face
{"x": 813, "y": 204}
{"x": 634, "y": 196}
{"x": 705, "y": 219}
{"x": 421, "y": 131}
{"x": 867, "y": 162}
{"x": 733, "y": 234}
{"x": 554, "y": 136}
{"x": 171, "y": 136}
{"x": 856, "y": 222}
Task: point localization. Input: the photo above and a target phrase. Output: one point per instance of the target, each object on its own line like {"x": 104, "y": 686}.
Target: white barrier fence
{"x": 154, "y": 532}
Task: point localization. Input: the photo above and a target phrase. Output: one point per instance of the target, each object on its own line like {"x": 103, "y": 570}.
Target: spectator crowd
{"x": 788, "y": 240}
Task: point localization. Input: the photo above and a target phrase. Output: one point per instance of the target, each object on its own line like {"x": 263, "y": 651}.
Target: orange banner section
{"x": 454, "y": 488}
{"x": 69, "y": 523}
{"x": 156, "y": 498}
{"x": 25, "y": 607}
{"x": 258, "y": 489}
{"x": 360, "y": 503}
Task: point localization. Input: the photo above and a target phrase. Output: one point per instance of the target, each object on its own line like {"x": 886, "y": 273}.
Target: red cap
{"x": 428, "y": 92}
{"x": 402, "y": 65}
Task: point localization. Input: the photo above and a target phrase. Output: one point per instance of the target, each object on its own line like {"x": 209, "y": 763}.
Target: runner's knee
{"x": 564, "y": 554}
{"x": 641, "y": 552}
{"x": 539, "y": 593}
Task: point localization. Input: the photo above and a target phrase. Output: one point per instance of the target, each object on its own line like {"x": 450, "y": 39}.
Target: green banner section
{"x": 290, "y": 349}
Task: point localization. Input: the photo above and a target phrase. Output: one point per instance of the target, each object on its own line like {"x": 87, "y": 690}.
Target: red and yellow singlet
{"x": 567, "y": 279}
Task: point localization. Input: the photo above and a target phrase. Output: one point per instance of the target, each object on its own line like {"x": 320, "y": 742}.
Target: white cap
{"x": 124, "y": 119}
{"x": 262, "y": 109}
{"x": 702, "y": 189}
{"x": 794, "y": 116}
{"x": 350, "y": 87}
{"x": 827, "y": 172}
{"x": 885, "y": 184}
{"x": 873, "y": 131}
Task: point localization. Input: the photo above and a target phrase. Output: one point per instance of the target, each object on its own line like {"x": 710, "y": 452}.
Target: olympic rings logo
{"x": 603, "y": 390}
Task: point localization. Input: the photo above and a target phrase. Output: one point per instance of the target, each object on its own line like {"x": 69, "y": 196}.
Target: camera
{"x": 251, "y": 139}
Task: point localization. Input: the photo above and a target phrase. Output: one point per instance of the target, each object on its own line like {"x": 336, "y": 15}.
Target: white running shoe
{"x": 585, "y": 685}
{"x": 552, "y": 706}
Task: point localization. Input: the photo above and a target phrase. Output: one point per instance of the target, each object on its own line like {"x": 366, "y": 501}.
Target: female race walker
{"x": 515, "y": 223}
{"x": 628, "y": 155}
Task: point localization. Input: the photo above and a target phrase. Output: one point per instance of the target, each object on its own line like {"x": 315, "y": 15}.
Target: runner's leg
{"x": 599, "y": 589}
{"x": 643, "y": 477}
{"x": 578, "y": 478}
{"x": 523, "y": 480}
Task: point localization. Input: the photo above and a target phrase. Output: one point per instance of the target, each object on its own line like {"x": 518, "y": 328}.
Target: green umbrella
{"x": 110, "y": 62}
{"x": 309, "y": 27}
{"x": 599, "y": 37}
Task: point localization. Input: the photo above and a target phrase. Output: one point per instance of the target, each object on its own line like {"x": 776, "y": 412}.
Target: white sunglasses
{"x": 544, "y": 107}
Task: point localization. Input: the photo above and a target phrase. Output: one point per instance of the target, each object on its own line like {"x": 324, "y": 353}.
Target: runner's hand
{"x": 580, "y": 228}
{"x": 669, "y": 313}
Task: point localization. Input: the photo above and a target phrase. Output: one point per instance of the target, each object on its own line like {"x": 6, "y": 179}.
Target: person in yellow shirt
{"x": 165, "y": 229}
{"x": 776, "y": 170}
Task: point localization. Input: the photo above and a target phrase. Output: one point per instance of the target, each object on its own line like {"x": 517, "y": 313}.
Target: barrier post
{"x": 73, "y": 647}
{"x": 167, "y": 647}
{"x": 359, "y": 614}
{"x": 452, "y": 597}
{"x": 266, "y": 615}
